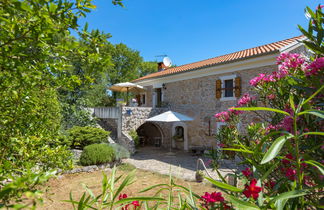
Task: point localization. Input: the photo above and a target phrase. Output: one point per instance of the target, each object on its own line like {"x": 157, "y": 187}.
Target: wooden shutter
{"x": 218, "y": 88}
{"x": 237, "y": 87}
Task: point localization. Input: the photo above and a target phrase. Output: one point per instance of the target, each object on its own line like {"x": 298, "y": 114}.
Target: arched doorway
{"x": 150, "y": 134}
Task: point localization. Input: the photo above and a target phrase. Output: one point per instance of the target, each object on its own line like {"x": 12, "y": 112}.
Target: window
{"x": 178, "y": 135}
{"x": 158, "y": 97}
{"x": 220, "y": 125}
{"x": 179, "y": 131}
{"x": 143, "y": 99}
{"x": 228, "y": 87}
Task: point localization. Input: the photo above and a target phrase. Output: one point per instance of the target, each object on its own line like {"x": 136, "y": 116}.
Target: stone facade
{"x": 148, "y": 95}
{"x": 197, "y": 99}
{"x": 134, "y": 117}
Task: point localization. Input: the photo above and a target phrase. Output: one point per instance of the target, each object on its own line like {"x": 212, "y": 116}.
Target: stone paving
{"x": 182, "y": 164}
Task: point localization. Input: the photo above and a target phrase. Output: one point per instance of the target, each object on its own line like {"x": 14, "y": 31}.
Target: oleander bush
{"x": 84, "y": 136}
{"x": 284, "y": 152}
{"x": 96, "y": 154}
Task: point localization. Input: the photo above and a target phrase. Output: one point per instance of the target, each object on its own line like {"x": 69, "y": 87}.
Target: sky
{"x": 188, "y": 31}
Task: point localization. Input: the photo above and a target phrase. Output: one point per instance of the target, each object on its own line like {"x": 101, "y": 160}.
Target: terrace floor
{"x": 181, "y": 164}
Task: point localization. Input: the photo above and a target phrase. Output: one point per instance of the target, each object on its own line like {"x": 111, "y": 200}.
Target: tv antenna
{"x": 166, "y": 60}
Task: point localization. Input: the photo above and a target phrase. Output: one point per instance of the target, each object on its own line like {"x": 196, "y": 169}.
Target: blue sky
{"x": 189, "y": 31}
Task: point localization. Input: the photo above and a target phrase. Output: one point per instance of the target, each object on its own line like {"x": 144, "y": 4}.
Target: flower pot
{"x": 199, "y": 176}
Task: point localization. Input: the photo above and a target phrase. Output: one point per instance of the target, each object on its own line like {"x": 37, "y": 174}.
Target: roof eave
{"x": 210, "y": 65}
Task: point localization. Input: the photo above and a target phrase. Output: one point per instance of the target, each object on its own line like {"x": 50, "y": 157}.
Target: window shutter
{"x": 238, "y": 87}
{"x": 218, "y": 88}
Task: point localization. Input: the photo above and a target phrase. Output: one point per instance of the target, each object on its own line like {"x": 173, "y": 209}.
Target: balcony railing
{"x": 107, "y": 112}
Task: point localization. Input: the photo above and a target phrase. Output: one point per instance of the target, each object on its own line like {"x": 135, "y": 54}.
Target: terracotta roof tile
{"x": 232, "y": 57}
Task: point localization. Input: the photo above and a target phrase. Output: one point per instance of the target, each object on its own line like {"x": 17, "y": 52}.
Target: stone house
{"x": 201, "y": 89}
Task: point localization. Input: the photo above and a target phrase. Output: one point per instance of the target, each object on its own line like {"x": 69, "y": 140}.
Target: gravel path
{"x": 182, "y": 164}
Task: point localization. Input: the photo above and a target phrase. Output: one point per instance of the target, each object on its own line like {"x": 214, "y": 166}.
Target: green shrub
{"x": 134, "y": 136}
{"x": 84, "y": 136}
{"x": 120, "y": 151}
{"x": 97, "y": 154}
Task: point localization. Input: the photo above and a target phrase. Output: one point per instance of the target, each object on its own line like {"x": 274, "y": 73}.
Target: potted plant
{"x": 200, "y": 175}
{"x": 178, "y": 138}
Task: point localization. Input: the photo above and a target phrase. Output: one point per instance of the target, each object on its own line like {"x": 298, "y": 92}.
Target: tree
{"x": 34, "y": 41}
{"x": 88, "y": 71}
{"x": 148, "y": 67}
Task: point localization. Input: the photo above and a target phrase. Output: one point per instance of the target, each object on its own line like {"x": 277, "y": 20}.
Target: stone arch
{"x": 185, "y": 134}
{"x": 150, "y": 135}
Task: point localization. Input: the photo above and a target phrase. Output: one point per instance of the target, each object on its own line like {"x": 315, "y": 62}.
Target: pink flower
{"x": 270, "y": 184}
{"x": 252, "y": 190}
{"x": 271, "y": 127}
{"x": 290, "y": 174}
{"x": 257, "y": 80}
{"x": 287, "y": 123}
{"x": 289, "y": 157}
{"x": 213, "y": 197}
{"x": 282, "y": 57}
{"x": 122, "y": 196}
{"x": 135, "y": 203}
{"x": 247, "y": 172}
{"x": 235, "y": 112}
{"x": 315, "y": 67}
{"x": 246, "y": 99}
{"x": 222, "y": 116}
{"x": 319, "y": 7}
{"x": 271, "y": 96}
{"x": 221, "y": 145}
{"x": 289, "y": 63}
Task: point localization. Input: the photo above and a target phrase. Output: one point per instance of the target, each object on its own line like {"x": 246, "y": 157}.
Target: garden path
{"x": 182, "y": 164}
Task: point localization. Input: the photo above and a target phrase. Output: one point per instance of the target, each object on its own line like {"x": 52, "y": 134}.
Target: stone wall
{"x": 126, "y": 141}
{"x": 197, "y": 99}
{"x": 109, "y": 125}
{"x": 134, "y": 117}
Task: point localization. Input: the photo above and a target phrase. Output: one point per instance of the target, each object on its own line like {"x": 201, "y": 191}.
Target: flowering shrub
{"x": 135, "y": 204}
{"x": 284, "y": 153}
{"x": 111, "y": 196}
{"x": 214, "y": 200}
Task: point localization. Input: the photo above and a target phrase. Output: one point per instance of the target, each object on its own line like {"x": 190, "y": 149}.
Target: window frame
{"x": 219, "y": 125}
{"x": 227, "y": 77}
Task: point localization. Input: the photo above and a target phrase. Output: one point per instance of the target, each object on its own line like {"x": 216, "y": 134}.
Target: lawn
{"x": 59, "y": 188}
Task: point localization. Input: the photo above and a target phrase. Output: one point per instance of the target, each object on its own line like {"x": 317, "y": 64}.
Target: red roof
{"x": 232, "y": 57}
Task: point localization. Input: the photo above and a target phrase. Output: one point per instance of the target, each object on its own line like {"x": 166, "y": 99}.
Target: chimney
{"x": 161, "y": 66}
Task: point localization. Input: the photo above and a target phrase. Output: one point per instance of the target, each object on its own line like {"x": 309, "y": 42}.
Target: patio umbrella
{"x": 126, "y": 87}
{"x": 169, "y": 116}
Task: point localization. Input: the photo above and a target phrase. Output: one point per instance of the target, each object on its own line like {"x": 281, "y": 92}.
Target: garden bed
{"x": 59, "y": 188}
